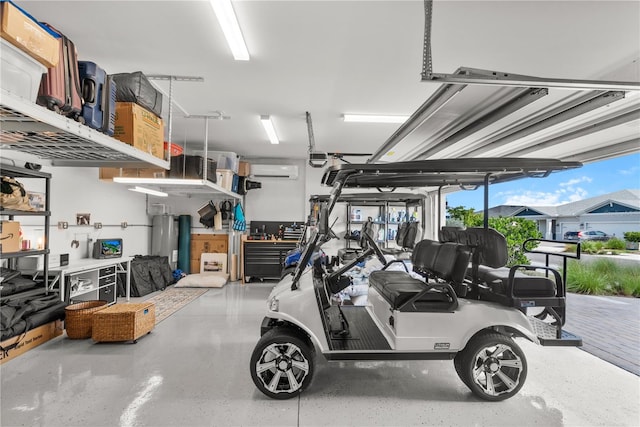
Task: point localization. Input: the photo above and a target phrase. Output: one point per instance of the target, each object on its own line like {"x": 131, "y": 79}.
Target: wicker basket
{"x": 79, "y": 318}
{"x": 124, "y": 322}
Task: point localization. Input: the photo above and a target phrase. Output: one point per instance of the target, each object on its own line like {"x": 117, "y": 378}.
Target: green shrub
{"x": 615, "y": 243}
{"x": 581, "y": 279}
{"x": 632, "y": 236}
{"x": 626, "y": 280}
{"x": 603, "y": 276}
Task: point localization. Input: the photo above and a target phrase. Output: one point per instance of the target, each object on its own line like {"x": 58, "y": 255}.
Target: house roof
{"x": 629, "y": 198}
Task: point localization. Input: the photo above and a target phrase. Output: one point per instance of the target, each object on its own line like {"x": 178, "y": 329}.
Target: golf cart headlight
{"x": 274, "y": 304}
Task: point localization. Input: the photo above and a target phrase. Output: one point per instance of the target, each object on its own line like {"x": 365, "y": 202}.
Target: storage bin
{"x": 224, "y": 159}
{"x": 20, "y": 74}
{"x": 124, "y": 322}
{"x": 226, "y": 178}
{"x": 78, "y": 319}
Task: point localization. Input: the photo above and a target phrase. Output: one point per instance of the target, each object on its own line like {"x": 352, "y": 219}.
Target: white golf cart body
{"x": 447, "y": 315}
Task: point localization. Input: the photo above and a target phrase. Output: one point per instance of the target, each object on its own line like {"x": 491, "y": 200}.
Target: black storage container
{"x": 185, "y": 166}
{"x": 135, "y": 87}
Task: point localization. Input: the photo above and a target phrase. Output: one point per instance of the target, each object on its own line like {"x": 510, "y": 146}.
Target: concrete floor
{"x": 193, "y": 370}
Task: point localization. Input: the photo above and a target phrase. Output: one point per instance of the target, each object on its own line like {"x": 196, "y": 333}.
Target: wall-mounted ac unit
{"x": 274, "y": 171}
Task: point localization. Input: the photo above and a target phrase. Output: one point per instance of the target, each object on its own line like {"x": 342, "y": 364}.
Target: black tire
{"x": 457, "y": 363}
{"x": 493, "y": 366}
{"x": 282, "y": 364}
{"x": 287, "y": 271}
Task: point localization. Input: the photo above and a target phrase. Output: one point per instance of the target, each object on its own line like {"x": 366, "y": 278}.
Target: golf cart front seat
{"x": 405, "y": 239}
{"x": 442, "y": 264}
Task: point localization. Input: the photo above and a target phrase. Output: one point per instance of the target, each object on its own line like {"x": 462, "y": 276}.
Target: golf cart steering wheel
{"x": 367, "y": 240}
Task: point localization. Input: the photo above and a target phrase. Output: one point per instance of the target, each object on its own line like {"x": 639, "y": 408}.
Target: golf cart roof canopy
{"x": 436, "y": 173}
{"x": 364, "y": 198}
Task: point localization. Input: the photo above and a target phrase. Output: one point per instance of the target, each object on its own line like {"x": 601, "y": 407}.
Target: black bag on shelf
{"x": 135, "y": 87}
{"x": 15, "y": 285}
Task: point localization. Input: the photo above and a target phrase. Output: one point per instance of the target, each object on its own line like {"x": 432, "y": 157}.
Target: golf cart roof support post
{"x": 486, "y": 200}
{"x": 439, "y": 208}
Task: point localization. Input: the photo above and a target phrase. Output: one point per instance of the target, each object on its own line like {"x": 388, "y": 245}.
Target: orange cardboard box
{"x": 140, "y": 128}
{"x": 107, "y": 174}
{"x": 32, "y": 339}
{"x": 9, "y": 236}
{"x": 28, "y": 36}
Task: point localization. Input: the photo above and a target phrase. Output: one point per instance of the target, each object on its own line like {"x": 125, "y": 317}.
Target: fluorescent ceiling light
{"x": 370, "y": 118}
{"x": 269, "y": 129}
{"x": 231, "y": 29}
{"x": 149, "y": 191}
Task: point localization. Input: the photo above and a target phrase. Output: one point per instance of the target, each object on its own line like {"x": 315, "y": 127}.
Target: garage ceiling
{"x": 336, "y": 57}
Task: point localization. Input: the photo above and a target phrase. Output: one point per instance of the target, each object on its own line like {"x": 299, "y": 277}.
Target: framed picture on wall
{"x": 213, "y": 263}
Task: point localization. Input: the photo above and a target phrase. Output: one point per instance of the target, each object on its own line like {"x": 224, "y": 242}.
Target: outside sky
{"x": 593, "y": 179}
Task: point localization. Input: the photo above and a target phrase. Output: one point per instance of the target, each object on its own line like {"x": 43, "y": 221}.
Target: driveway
{"x": 609, "y": 327}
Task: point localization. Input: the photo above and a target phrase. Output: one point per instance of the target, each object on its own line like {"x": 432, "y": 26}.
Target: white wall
{"x": 279, "y": 199}
{"x": 78, "y": 190}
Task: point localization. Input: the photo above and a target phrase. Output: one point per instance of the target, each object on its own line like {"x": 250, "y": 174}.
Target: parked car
{"x": 572, "y": 235}
{"x": 587, "y": 235}
{"x": 594, "y": 235}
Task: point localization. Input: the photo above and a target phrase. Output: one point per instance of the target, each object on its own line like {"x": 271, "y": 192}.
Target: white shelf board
{"x": 178, "y": 186}
{"x": 33, "y": 129}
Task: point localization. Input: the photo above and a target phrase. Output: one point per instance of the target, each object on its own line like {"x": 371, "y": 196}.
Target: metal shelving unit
{"x": 32, "y": 129}
{"x": 180, "y": 187}
{"x": 16, "y": 172}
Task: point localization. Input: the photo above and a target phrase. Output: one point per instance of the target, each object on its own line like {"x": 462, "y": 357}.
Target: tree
{"x": 515, "y": 230}
{"x": 468, "y": 217}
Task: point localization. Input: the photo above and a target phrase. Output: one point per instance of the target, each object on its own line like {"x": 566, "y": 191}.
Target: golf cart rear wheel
{"x": 282, "y": 364}
{"x": 492, "y": 366}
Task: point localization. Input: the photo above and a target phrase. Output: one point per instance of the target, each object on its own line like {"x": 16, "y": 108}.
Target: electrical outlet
{"x": 124, "y": 224}
{"x": 97, "y": 225}
{"x": 63, "y": 225}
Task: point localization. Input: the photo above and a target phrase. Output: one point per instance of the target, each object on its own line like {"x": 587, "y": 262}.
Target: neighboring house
{"x": 613, "y": 213}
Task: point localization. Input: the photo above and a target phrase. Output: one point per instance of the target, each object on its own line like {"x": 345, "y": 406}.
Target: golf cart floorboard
{"x": 363, "y": 332}
{"x": 547, "y": 335}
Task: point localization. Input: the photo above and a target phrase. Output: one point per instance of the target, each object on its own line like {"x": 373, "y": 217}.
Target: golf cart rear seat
{"x": 496, "y": 282}
{"x": 443, "y": 265}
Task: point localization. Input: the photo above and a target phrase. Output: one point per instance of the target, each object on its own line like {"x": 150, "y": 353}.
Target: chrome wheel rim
{"x": 497, "y": 369}
{"x": 282, "y": 368}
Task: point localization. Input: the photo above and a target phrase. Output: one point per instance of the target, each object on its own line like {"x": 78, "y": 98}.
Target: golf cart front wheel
{"x": 282, "y": 364}
{"x": 492, "y": 366}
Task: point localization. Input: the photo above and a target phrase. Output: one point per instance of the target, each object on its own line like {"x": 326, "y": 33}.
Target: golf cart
{"x": 459, "y": 303}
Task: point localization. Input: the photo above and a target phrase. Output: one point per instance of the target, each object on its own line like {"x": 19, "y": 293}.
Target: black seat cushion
{"x": 397, "y": 287}
{"x": 524, "y": 286}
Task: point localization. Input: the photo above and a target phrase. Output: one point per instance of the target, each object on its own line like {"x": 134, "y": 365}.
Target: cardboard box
{"x": 28, "y": 35}
{"x": 140, "y": 128}
{"x": 32, "y": 339}
{"x": 244, "y": 169}
{"x": 107, "y": 174}
{"x": 9, "y": 236}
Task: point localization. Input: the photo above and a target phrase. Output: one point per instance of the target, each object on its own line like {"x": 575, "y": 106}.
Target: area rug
{"x": 172, "y": 300}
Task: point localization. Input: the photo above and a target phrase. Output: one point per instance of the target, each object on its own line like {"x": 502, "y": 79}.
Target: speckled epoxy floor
{"x": 193, "y": 370}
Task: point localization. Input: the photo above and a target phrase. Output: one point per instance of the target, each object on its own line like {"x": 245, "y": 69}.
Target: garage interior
{"x": 469, "y": 78}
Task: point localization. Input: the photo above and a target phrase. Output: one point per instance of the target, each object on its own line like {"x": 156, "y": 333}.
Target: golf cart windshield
{"x": 429, "y": 175}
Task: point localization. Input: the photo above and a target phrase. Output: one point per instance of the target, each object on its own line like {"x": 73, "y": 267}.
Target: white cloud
{"x": 575, "y": 181}
{"x": 542, "y": 198}
{"x": 631, "y": 171}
